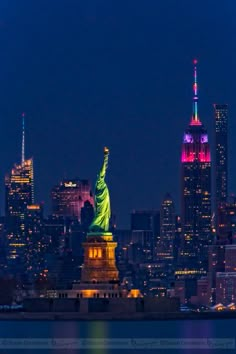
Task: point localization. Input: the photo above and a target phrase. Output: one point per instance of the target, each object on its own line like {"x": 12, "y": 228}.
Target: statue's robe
{"x": 102, "y": 216}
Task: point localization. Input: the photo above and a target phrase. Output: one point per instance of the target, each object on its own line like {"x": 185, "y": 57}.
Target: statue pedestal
{"x": 99, "y": 259}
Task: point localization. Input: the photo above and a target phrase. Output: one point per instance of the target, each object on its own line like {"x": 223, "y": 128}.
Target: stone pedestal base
{"x": 99, "y": 259}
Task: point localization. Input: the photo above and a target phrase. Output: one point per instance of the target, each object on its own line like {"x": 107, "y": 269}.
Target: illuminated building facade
{"x": 225, "y": 288}
{"x": 226, "y": 280}
{"x": 35, "y": 239}
{"x": 54, "y": 231}
{"x": 165, "y": 246}
{"x": 177, "y": 240}
{"x": 19, "y": 188}
{"x": 226, "y": 221}
{"x": 216, "y": 264}
{"x": 69, "y": 197}
{"x": 230, "y": 258}
{"x": 221, "y": 152}
{"x": 19, "y": 193}
{"x": 195, "y": 191}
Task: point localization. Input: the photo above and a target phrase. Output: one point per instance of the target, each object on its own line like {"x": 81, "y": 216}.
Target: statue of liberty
{"x": 101, "y": 219}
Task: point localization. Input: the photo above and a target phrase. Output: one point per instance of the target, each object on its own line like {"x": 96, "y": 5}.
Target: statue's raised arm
{"x": 102, "y": 216}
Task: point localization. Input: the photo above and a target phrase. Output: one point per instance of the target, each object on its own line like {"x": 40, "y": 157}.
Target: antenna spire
{"x": 195, "y": 118}
{"x": 23, "y": 139}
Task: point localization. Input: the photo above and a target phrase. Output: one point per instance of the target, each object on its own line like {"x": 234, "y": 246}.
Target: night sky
{"x": 117, "y": 73}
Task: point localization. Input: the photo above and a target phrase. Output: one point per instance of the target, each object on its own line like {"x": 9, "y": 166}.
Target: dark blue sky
{"x": 117, "y": 73}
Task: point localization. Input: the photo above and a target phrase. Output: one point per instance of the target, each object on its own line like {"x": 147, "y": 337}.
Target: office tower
{"x": 226, "y": 216}
{"x": 19, "y": 188}
{"x": 148, "y": 220}
{"x": 123, "y": 239}
{"x": 221, "y": 153}
{"x": 165, "y": 245}
{"x": 141, "y": 252}
{"x": 36, "y": 241}
{"x": 19, "y": 193}
{"x": 195, "y": 191}
{"x": 145, "y": 225}
{"x": 230, "y": 258}
{"x": 216, "y": 264}
{"x": 226, "y": 280}
{"x": 177, "y": 240}
{"x": 225, "y": 288}
{"x": 54, "y": 228}
{"x": 202, "y": 292}
{"x": 69, "y": 197}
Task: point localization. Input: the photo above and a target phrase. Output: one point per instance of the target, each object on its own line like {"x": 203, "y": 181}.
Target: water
{"x": 133, "y": 331}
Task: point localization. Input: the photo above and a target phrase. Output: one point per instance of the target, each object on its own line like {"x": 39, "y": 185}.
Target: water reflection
{"x": 115, "y": 330}
{"x": 80, "y": 330}
{"x": 197, "y": 329}
{"x": 98, "y": 330}
{"x": 66, "y": 329}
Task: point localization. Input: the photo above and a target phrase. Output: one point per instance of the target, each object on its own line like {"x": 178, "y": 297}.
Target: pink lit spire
{"x": 195, "y": 119}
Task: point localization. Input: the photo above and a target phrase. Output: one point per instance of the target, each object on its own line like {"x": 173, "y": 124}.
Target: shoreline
{"x": 99, "y": 316}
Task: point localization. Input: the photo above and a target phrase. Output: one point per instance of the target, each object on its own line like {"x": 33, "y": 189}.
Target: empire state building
{"x": 195, "y": 192}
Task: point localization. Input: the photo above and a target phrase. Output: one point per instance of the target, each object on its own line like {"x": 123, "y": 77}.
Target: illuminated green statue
{"x": 101, "y": 219}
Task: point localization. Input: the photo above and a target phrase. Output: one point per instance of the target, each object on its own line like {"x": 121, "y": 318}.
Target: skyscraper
{"x": 195, "y": 190}
{"x": 226, "y": 221}
{"x": 145, "y": 226}
{"x": 19, "y": 186}
{"x": 69, "y": 197}
{"x": 36, "y": 241}
{"x": 165, "y": 246}
{"x": 19, "y": 193}
{"x": 216, "y": 263}
{"x": 221, "y": 153}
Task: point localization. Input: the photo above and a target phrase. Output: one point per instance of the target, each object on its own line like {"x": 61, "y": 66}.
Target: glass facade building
{"x": 19, "y": 193}
{"x": 221, "y": 152}
{"x": 165, "y": 246}
{"x": 69, "y": 197}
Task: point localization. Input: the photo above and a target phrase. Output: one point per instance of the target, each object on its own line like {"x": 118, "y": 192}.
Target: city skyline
{"x": 118, "y": 175}
{"x": 49, "y": 206}
{"x": 140, "y": 95}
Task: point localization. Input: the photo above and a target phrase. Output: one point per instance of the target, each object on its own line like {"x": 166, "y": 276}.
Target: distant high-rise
{"x": 69, "y": 197}
{"x": 145, "y": 228}
{"x": 35, "y": 238}
{"x": 216, "y": 263}
{"x": 221, "y": 152}
{"x": 165, "y": 246}
{"x": 226, "y": 222}
{"x": 226, "y": 288}
{"x": 19, "y": 193}
{"x": 195, "y": 191}
{"x": 230, "y": 258}
{"x": 19, "y": 186}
